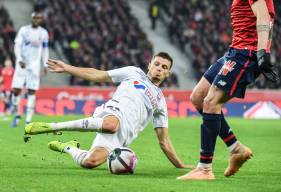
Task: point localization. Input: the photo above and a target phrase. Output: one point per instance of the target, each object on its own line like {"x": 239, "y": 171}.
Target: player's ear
{"x": 149, "y": 65}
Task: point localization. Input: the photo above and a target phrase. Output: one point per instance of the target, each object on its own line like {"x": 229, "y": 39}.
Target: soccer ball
{"x": 122, "y": 161}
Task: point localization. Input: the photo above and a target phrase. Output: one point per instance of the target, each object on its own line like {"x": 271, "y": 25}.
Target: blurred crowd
{"x": 7, "y": 35}
{"x": 205, "y": 26}
{"x": 100, "y": 34}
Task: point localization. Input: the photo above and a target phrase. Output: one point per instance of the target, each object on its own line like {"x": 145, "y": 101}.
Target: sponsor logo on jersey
{"x": 222, "y": 83}
{"x": 148, "y": 93}
{"x": 138, "y": 86}
{"x": 227, "y": 67}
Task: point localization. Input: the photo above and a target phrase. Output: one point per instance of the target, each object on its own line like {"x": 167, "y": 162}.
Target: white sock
{"x": 231, "y": 147}
{"x": 30, "y": 107}
{"x": 87, "y": 124}
{"x": 205, "y": 165}
{"x": 78, "y": 155}
{"x": 15, "y": 103}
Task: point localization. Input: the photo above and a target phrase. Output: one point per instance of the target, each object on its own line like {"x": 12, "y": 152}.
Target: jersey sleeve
{"x": 18, "y": 42}
{"x": 160, "y": 116}
{"x": 45, "y": 53}
{"x": 124, "y": 73}
{"x": 19, "y": 37}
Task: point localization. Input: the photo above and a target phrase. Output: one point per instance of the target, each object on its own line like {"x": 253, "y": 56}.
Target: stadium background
{"x": 108, "y": 34}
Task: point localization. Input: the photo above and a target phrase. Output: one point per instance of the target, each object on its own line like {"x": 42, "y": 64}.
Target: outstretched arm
{"x": 168, "y": 149}
{"x": 264, "y": 25}
{"x": 89, "y": 74}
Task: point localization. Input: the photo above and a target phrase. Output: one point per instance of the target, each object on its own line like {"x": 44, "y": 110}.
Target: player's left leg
{"x": 197, "y": 97}
{"x": 86, "y": 159}
{"x": 31, "y": 99}
{"x": 210, "y": 129}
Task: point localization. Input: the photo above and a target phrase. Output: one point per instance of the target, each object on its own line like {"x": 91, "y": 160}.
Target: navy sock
{"x": 226, "y": 134}
{"x": 210, "y": 129}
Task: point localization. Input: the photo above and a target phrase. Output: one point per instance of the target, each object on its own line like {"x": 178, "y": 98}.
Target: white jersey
{"x": 139, "y": 101}
{"x": 31, "y": 47}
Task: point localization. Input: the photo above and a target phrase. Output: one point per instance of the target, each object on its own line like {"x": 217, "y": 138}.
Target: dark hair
{"x": 165, "y": 56}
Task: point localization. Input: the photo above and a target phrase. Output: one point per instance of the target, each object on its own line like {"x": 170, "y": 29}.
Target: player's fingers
{"x": 189, "y": 166}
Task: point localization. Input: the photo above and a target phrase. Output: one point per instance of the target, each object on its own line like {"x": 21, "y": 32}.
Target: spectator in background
{"x": 7, "y": 35}
{"x": 99, "y": 34}
{"x": 153, "y": 13}
{"x": 7, "y": 73}
{"x": 31, "y": 50}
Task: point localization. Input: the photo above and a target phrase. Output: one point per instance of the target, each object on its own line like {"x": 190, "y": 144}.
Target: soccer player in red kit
{"x": 7, "y": 73}
{"x": 247, "y": 58}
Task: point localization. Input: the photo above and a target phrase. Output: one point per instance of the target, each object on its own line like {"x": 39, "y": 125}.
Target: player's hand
{"x": 269, "y": 70}
{"x": 188, "y": 166}
{"x": 22, "y": 64}
{"x": 56, "y": 66}
{"x": 45, "y": 71}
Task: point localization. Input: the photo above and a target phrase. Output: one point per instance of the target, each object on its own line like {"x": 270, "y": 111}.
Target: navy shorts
{"x": 234, "y": 71}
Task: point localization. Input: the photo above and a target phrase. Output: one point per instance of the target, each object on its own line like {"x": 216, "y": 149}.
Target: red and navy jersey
{"x": 7, "y": 74}
{"x": 243, "y": 22}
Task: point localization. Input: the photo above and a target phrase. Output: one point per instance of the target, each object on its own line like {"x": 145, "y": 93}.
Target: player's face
{"x": 36, "y": 20}
{"x": 159, "y": 69}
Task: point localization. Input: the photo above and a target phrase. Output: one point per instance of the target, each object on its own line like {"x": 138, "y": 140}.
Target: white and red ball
{"x": 122, "y": 161}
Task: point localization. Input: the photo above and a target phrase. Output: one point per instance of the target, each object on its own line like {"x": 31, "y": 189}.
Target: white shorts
{"x": 26, "y": 78}
{"x": 109, "y": 141}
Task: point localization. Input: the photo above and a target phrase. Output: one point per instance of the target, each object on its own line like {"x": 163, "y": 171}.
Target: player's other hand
{"x": 45, "y": 71}
{"x": 56, "y": 66}
{"x": 22, "y": 64}
{"x": 183, "y": 166}
{"x": 269, "y": 70}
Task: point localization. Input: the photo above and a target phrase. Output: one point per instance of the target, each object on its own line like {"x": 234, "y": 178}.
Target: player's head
{"x": 8, "y": 62}
{"x": 159, "y": 67}
{"x": 36, "y": 19}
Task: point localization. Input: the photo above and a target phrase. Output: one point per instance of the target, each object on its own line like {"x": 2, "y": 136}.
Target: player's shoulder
{"x": 134, "y": 69}
{"x": 24, "y": 27}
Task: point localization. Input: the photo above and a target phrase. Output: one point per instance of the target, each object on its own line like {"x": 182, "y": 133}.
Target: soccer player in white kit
{"x": 136, "y": 102}
{"x": 31, "y": 49}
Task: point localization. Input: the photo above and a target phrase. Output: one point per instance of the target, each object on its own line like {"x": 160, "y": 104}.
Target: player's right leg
{"x": 108, "y": 124}
{"x": 18, "y": 82}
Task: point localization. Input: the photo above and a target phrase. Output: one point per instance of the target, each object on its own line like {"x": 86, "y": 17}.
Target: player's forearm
{"x": 45, "y": 56}
{"x": 263, "y": 30}
{"x": 89, "y": 74}
{"x": 170, "y": 153}
{"x": 263, "y": 23}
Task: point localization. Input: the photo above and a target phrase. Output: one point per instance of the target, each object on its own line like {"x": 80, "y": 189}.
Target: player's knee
{"x": 110, "y": 126}
{"x": 197, "y": 100}
{"x": 31, "y": 92}
{"x": 16, "y": 91}
{"x": 210, "y": 105}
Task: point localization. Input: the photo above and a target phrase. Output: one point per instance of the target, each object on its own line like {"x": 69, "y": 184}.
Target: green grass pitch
{"x": 32, "y": 167}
